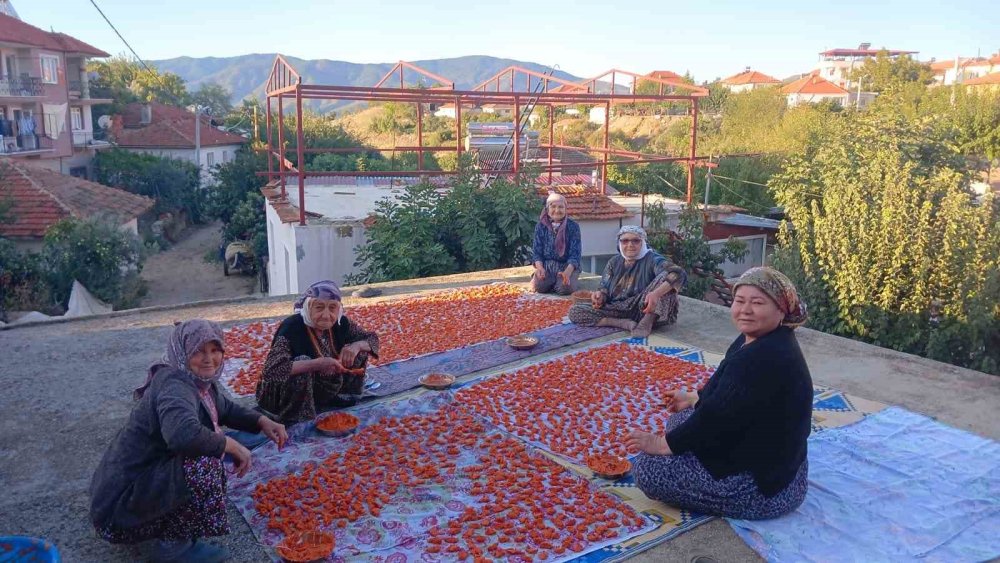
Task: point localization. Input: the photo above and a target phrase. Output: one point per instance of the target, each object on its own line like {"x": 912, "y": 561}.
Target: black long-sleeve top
{"x": 754, "y": 414}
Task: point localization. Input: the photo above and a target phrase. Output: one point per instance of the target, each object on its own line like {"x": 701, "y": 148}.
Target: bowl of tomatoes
{"x": 337, "y": 424}
{"x": 608, "y": 466}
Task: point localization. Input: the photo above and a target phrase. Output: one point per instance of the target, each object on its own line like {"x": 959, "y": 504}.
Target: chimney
{"x": 748, "y": 69}
{"x": 145, "y": 114}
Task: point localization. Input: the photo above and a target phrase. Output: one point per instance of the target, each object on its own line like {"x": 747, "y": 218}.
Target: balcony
{"x": 23, "y": 87}
{"x": 86, "y": 139}
{"x": 26, "y": 145}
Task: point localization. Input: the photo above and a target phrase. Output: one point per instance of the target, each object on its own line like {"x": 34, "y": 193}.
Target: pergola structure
{"x": 515, "y": 87}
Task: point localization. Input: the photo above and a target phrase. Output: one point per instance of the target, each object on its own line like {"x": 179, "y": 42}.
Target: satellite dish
{"x": 104, "y": 121}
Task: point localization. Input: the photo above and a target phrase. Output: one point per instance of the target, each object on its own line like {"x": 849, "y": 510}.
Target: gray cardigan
{"x": 141, "y": 476}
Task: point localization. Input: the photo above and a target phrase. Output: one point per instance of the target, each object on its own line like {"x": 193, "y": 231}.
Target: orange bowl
{"x": 337, "y": 424}
{"x": 582, "y": 295}
{"x": 306, "y": 546}
{"x": 608, "y": 466}
{"x": 522, "y": 342}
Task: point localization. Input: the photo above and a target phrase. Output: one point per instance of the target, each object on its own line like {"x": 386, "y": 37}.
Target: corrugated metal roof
{"x": 744, "y": 220}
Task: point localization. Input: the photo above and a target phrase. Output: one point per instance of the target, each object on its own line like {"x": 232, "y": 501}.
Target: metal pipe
{"x": 300, "y": 142}
{"x": 551, "y": 138}
{"x": 420, "y": 136}
{"x": 281, "y": 143}
{"x": 517, "y": 129}
{"x": 607, "y": 145}
{"x": 694, "y": 149}
{"x": 267, "y": 124}
{"x": 458, "y": 132}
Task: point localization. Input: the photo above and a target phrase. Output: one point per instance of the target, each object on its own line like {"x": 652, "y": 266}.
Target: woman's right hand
{"x": 597, "y": 299}
{"x": 328, "y": 366}
{"x": 241, "y": 456}
{"x": 539, "y": 271}
{"x": 679, "y": 399}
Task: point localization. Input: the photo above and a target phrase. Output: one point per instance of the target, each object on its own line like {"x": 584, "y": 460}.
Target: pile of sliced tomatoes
{"x": 416, "y": 326}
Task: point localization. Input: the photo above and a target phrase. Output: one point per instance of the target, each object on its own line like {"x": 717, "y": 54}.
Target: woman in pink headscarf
{"x": 555, "y": 252}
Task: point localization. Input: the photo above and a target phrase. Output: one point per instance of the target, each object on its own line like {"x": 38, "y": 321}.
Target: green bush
{"x": 174, "y": 184}
{"x": 102, "y": 257}
{"x": 23, "y": 283}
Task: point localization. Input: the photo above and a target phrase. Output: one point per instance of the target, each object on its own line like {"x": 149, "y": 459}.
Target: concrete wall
{"x": 219, "y": 155}
{"x": 796, "y": 99}
{"x": 300, "y": 256}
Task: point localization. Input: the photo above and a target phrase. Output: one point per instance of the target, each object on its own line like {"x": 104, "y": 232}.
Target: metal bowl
{"x": 522, "y": 342}
{"x": 437, "y": 381}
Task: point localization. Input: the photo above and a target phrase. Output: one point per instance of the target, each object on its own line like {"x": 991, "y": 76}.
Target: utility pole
{"x": 197, "y": 138}
{"x": 708, "y": 183}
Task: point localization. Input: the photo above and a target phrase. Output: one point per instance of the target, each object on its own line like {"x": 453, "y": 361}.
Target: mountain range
{"x": 246, "y": 75}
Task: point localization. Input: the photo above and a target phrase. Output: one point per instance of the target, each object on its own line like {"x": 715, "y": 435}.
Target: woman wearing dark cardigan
{"x": 738, "y": 448}
{"x": 162, "y": 477}
{"x": 308, "y": 369}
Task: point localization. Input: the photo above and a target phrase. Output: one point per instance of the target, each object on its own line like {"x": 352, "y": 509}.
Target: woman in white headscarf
{"x": 638, "y": 289}
{"x": 309, "y": 367}
{"x": 556, "y": 250}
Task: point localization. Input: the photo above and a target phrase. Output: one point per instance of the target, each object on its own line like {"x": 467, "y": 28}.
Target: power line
{"x": 115, "y": 29}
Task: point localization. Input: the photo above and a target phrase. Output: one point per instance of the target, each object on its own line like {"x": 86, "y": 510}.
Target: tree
{"x": 884, "y": 73}
{"x": 888, "y": 245}
{"x": 469, "y": 228}
{"x": 98, "y": 254}
{"x": 235, "y": 182}
{"x": 126, "y": 80}
{"x": 217, "y": 99}
{"x": 175, "y": 184}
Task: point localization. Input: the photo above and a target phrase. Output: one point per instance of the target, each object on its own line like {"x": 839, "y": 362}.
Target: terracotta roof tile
{"x": 812, "y": 84}
{"x": 42, "y": 197}
{"x": 984, "y": 80}
{"x": 13, "y": 30}
{"x": 586, "y": 204}
{"x": 170, "y": 127}
{"x": 751, "y": 77}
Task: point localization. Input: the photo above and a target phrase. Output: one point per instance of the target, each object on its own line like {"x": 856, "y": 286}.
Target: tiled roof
{"x": 287, "y": 211}
{"x": 940, "y": 67}
{"x": 586, "y": 204}
{"x": 751, "y": 77}
{"x": 984, "y": 80}
{"x": 665, "y": 75}
{"x": 170, "y": 127}
{"x": 813, "y": 84}
{"x": 42, "y": 197}
{"x": 13, "y": 30}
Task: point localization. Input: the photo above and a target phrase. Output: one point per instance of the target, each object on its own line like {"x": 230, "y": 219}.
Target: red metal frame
{"x": 285, "y": 82}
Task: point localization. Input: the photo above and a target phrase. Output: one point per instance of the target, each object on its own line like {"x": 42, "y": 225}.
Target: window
{"x": 346, "y": 231}
{"x": 76, "y": 118}
{"x": 211, "y": 159}
{"x": 50, "y": 69}
{"x": 225, "y": 157}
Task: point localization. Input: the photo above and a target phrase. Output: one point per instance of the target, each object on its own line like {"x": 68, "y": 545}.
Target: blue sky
{"x": 709, "y": 39}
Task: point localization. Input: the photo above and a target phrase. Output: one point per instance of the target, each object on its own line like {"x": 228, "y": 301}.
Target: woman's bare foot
{"x": 645, "y": 326}
{"x": 624, "y": 324}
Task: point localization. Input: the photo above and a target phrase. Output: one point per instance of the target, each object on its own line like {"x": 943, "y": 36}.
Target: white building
{"x": 963, "y": 69}
{"x": 814, "y": 89}
{"x": 172, "y": 132}
{"x": 836, "y": 65}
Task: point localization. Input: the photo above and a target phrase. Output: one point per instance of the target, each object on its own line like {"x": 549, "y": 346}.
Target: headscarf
{"x": 185, "y": 340}
{"x": 636, "y": 230}
{"x": 325, "y": 289}
{"x": 780, "y": 289}
{"x": 547, "y": 221}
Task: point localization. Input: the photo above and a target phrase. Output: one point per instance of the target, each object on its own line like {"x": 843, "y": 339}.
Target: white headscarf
{"x": 307, "y": 315}
{"x": 633, "y": 229}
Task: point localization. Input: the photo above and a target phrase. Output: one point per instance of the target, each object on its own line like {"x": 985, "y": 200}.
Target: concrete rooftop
{"x": 67, "y": 390}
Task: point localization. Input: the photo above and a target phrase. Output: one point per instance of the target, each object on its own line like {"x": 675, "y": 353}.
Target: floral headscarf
{"x": 635, "y": 230}
{"x": 325, "y": 289}
{"x": 780, "y": 289}
{"x": 185, "y": 340}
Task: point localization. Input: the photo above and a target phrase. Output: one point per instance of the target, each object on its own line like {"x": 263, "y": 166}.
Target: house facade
{"x": 813, "y": 89}
{"x": 173, "y": 132}
{"x": 836, "y": 65}
{"x": 45, "y": 102}
{"x": 749, "y": 80}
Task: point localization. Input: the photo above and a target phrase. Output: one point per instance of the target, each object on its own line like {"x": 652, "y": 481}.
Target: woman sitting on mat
{"x": 555, "y": 252}
{"x": 638, "y": 289}
{"x": 738, "y": 448}
{"x": 316, "y": 359}
{"x": 162, "y": 477}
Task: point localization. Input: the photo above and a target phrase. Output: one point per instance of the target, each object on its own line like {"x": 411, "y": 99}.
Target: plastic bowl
{"x": 437, "y": 381}
{"x": 337, "y": 424}
{"x": 25, "y": 548}
{"x": 306, "y": 546}
{"x": 608, "y": 466}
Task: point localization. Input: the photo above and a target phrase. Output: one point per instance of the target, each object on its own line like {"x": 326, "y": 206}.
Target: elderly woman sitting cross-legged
{"x": 309, "y": 366}
{"x": 738, "y": 448}
{"x": 555, "y": 252}
{"x": 162, "y": 477}
{"x": 638, "y": 289}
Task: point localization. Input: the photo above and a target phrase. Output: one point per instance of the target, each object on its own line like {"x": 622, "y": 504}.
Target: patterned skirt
{"x": 203, "y": 516}
{"x": 681, "y": 480}
{"x": 584, "y": 314}
{"x": 553, "y": 282}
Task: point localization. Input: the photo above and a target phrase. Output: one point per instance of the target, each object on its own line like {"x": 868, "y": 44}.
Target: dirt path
{"x": 181, "y": 275}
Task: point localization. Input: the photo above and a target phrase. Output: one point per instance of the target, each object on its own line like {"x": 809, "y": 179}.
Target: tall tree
{"x": 215, "y": 98}
{"x": 126, "y": 80}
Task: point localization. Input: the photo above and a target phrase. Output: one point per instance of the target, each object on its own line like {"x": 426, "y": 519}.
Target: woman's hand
{"x": 567, "y": 275}
{"x": 328, "y": 366}
{"x": 539, "y": 271}
{"x": 349, "y": 353}
{"x": 241, "y": 456}
{"x": 679, "y": 399}
{"x": 273, "y": 430}
{"x": 597, "y": 299}
{"x": 655, "y": 444}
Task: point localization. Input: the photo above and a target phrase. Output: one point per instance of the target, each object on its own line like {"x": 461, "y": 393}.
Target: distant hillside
{"x": 245, "y": 75}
